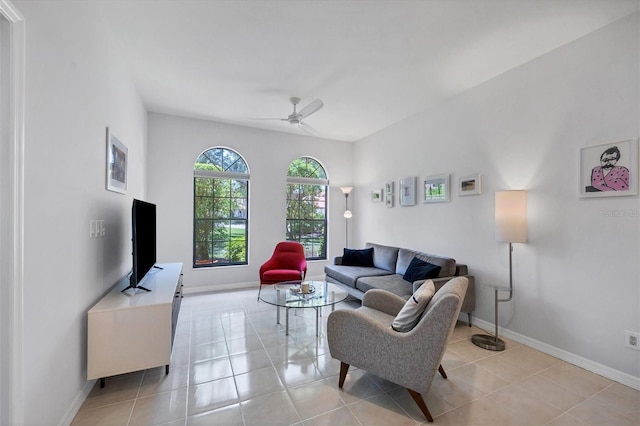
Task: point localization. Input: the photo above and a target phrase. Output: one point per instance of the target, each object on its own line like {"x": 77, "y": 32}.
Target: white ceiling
{"x": 373, "y": 63}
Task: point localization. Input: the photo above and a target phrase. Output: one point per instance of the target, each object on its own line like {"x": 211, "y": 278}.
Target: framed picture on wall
{"x": 470, "y": 185}
{"x": 117, "y": 158}
{"x": 407, "y": 191}
{"x": 609, "y": 170}
{"x": 436, "y": 189}
{"x": 388, "y": 187}
{"x": 376, "y": 195}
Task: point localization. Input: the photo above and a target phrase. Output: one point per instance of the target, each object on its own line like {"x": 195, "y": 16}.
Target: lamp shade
{"x": 511, "y": 216}
{"x": 346, "y": 189}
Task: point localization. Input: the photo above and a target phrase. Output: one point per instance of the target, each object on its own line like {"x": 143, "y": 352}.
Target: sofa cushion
{"x": 411, "y": 312}
{"x": 419, "y": 270}
{"x": 384, "y": 257}
{"x": 392, "y": 282}
{"x": 405, "y": 256}
{"x": 362, "y": 257}
{"x": 348, "y": 275}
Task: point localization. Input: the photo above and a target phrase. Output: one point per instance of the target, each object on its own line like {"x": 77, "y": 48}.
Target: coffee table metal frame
{"x": 282, "y": 296}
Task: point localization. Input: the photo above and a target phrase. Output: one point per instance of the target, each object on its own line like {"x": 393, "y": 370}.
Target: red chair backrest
{"x": 289, "y": 255}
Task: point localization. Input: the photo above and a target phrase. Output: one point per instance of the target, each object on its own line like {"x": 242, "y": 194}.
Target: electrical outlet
{"x": 632, "y": 340}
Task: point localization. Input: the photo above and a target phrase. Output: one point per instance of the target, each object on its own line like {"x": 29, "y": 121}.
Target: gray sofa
{"x": 389, "y": 265}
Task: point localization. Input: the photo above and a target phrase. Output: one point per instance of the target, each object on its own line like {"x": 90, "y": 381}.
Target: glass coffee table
{"x": 288, "y": 294}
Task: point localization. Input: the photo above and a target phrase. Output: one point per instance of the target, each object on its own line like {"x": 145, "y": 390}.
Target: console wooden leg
{"x": 423, "y": 407}
{"x": 344, "y": 367}
{"x": 441, "y": 370}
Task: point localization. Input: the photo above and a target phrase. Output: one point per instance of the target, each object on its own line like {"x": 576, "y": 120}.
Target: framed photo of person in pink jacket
{"x": 609, "y": 170}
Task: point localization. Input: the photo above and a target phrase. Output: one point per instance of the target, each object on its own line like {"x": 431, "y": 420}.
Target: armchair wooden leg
{"x": 344, "y": 367}
{"x": 442, "y": 373}
{"x": 423, "y": 407}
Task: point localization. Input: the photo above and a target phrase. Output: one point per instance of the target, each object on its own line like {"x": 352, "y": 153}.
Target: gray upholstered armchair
{"x": 364, "y": 338}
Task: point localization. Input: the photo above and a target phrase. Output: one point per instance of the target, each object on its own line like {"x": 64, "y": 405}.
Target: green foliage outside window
{"x": 220, "y": 210}
{"x": 307, "y": 208}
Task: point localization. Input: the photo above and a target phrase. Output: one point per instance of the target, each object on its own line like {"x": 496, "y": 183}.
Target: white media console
{"x": 134, "y": 330}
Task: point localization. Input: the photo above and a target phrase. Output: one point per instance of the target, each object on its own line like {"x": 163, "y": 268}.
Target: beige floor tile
{"x": 160, "y": 408}
{"x": 157, "y": 381}
{"x": 229, "y": 415}
{"x": 566, "y": 420}
{"x": 576, "y": 379}
{"x": 122, "y": 388}
{"x": 257, "y": 382}
{"x": 380, "y": 410}
{"x": 249, "y": 361}
{"x": 519, "y": 386}
{"x": 212, "y": 369}
{"x": 523, "y": 407}
{"x": 480, "y": 377}
{"x": 115, "y": 414}
{"x": 356, "y": 386}
{"x": 313, "y": 399}
{"x": 595, "y": 413}
{"x": 212, "y": 395}
{"x": 340, "y": 417}
{"x": 271, "y": 409}
{"x": 547, "y": 391}
{"x": 623, "y": 399}
{"x": 436, "y": 405}
{"x": 528, "y": 359}
{"x": 298, "y": 372}
{"x": 327, "y": 365}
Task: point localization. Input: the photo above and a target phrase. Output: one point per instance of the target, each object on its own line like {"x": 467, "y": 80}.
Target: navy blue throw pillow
{"x": 362, "y": 257}
{"x": 420, "y": 270}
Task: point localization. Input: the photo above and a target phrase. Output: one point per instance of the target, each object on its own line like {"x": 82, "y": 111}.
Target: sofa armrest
{"x": 383, "y": 300}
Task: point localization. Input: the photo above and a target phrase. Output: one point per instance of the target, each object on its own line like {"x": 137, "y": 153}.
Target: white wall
{"x": 76, "y": 86}
{"x": 577, "y": 278}
{"x": 174, "y": 145}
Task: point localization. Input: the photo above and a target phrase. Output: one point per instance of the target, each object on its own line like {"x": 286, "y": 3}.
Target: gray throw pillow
{"x": 411, "y": 312}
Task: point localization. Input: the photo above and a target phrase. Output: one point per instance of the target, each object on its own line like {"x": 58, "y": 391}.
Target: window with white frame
{"x": 220, "y": 206}
{"x": 307, "y": 185}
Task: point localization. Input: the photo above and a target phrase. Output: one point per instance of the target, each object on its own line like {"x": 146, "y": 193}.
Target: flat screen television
{"x": 143, "y": 238}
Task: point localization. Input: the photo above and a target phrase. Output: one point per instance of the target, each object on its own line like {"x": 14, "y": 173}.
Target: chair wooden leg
{"x": 344, "y": 367}
{"x": 423, "y": 406}
{"x": 441, "y": 370}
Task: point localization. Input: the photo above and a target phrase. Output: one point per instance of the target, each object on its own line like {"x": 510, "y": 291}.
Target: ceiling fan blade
{"x": 279, "y": 119}
{"x": 311, "y": 108}
{"x": 310, "y": 130}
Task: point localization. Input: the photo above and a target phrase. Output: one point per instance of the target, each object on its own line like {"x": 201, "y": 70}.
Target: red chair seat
{"x": 287, "y": 263}
{"x": 278, "y": 275}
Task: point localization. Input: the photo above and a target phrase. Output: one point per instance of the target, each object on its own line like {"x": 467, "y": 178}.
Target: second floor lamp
{"x": 346, "y": 190}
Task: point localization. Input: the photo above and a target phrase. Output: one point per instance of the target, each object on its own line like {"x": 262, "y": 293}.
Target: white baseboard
{"x": 587, "y": 364}
{"x": 77, "y": 403}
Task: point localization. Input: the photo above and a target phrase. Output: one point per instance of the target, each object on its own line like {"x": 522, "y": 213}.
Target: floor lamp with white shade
{"x": 346, "y": 190}
{"x": 510, "y": 227}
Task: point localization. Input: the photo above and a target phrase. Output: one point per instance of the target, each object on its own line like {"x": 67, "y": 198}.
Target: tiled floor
{"x": 232, "y": 365}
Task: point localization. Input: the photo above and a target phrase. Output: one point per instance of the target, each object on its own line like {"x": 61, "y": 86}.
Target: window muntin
{"x": 221, "y": 200}
{"x": 307, "y": 206}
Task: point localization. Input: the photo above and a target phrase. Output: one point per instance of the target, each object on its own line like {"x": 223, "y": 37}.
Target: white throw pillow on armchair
{"x": 411, "y": 312}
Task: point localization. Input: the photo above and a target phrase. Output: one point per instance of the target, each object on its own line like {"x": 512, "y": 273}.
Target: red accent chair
{"x": 287, "y": 263}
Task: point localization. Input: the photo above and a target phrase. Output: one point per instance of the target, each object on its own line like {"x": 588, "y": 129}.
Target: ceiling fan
{"x": 295, "y": 118}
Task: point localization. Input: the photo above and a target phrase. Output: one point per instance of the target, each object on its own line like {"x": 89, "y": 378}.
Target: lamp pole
{"x": 346, "y": 190}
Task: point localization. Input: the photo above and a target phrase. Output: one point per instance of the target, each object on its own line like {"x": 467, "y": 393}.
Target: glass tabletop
{"x": 289, "y": 294}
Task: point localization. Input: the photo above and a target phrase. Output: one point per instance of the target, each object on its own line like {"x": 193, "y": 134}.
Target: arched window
{"x": 307, "y": 185}
{"x": 220, "y": 203}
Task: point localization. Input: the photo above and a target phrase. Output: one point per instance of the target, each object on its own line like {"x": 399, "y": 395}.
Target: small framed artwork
{"x": 376, "y": 195}
{"x": 407, "y": 192}
{"x": 470, "y": 185}
{"x": 389, "y": 200}
{"x": 117, "y": 158}
{"x": 609, "y": 170}
{"x": 436, "y": 189}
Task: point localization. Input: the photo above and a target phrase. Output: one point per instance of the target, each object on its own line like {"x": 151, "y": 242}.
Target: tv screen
{"x": 143, "y": 217}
